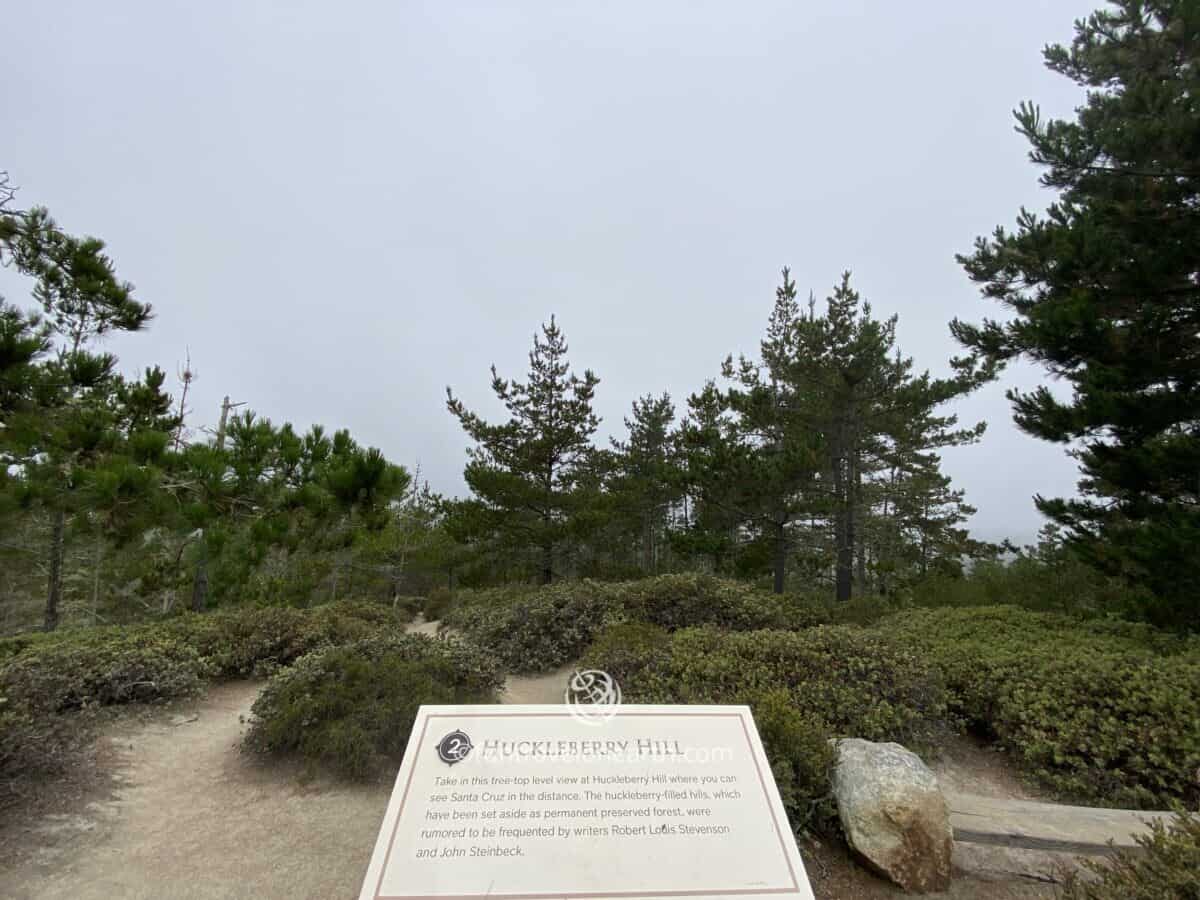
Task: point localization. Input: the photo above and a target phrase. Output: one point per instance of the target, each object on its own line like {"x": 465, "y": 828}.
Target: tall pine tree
{"x": 794, "y": 452}
{"x": 532, "y": 474}
{"x": 775, "y": 452}
{"x": 70, "y": 431}
{"x": 645, "y": 482}
{"x": 1103, "y": 291}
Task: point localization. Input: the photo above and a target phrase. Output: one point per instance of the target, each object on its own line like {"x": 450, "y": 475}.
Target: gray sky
{"x": 341, "y": 208}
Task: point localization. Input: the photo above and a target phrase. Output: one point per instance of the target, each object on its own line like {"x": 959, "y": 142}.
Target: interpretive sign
{"x": 536, "y": 802}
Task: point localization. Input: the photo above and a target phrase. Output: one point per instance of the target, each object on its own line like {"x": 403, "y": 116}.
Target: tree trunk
{"x": 859, "y": 517}
{"x": 548, "y": 499}
{"x": 925, "y": 539}
{"x": 843, "y": 530}
{"x": 97, "y": 558}
{"x": 845, "y": 556}
{"x": 781, "y": 553}
{"x": 200, "y": 581}
{"x": 648, "y": 543}
{"x": 54, "y": 594}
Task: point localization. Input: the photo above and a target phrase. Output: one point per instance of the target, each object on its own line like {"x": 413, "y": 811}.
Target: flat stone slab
{"x": 1046, "y": 826}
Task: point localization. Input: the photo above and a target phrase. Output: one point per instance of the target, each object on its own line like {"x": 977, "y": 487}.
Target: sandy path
{"x": 192, "y": 817}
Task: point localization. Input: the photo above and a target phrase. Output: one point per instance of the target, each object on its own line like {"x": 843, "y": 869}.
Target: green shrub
{"x": 804, "y": 687}
{"x": 1060, "y": 584}
{"x": 437, "y": 604}
{"x": 685, "y": 601}
{"x": 35, "y": 744}
{"x": 350, "y": 709}
{"x": 1167, "y": 868}
{"x": 16, "y": 644}
{"x": 539, "y": 628}
{"x": 102, "y": 666}
{"x": 172, "y": 658}
{"x": 408, "y": 606}
{"x": 625, "y": 649}
{"x": 241, "y": 642}
{"x": 1124, "y": 730}
{"x": 856, "y": 683}
{"x": 1107, "y": 712}
{"x": 797, "y": 746}
{"x": 46, "y": 678}
{"x": 542, "y": 629}
{"x": 808, "y": 609}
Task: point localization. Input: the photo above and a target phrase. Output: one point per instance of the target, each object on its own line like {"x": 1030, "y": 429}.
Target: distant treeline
{"x": 812, "y": 463}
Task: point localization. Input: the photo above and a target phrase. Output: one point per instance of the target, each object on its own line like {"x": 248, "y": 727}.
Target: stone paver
{"x": 1045, "y": 826}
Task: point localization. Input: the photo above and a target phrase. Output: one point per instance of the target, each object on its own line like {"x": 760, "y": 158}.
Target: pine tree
{"x": 873, "y": 410}
{"x": 708, "y": 446}
{"x": 775, "y": 454}
{"x": 1103, "y": 292}
{"x": 645, "y": 482}
{"x": 24, "y": 346}
{"x": 82, "y": 300}
{"x": 843, "y": 363}
{"x": 415, "y": 551}
{"x": 797, "y": 451}
{"x": 532, "y": 474}
{"x": 916, "y": 525}
{"x": 287, "y": 510}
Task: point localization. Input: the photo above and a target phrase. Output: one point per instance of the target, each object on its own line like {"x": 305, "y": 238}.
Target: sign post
{"x": 541, "y": 802}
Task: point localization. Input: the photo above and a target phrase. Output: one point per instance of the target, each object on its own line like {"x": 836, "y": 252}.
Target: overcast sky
{"x": 340, "y": 208}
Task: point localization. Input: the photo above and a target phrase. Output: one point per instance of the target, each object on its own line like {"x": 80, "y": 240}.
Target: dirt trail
{"x": 194, "y": 818}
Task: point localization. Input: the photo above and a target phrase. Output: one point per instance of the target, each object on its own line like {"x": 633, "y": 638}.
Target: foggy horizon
{"x": 341, "y": 211}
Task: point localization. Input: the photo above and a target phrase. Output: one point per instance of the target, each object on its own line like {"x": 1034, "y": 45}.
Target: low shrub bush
{"x": 808, "y": 609}
{"x": 172, "y": 658}
{"x": 241, "y": 642}
{"x": 804, "y": 687}
{"x": 1166, "y": 868}
{"x": 16, "y": 644}
{"x": 408, "y": 606}
{"x": 536, "y": 630}
{"x": 539, "y": 628}
{"x": 437, "y": 603}
{"x": 1105, "y": 712}
{"x": 685, "y": 601}
{"x": 35, "y": 744}
{"x": 625, "y": 649}
{"x": 1055, "y": 583}
{"x": 102, "y": 666}
{"x": 855, "y": 682}
{"x": 802, "y": 759}
{"x": 349, "y": 709}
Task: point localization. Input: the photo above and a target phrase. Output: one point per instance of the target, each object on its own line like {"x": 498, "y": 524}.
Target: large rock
{"x": 894, "y": 814}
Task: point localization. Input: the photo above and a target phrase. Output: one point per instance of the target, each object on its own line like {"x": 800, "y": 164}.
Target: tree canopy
{"x": 1103, "y": 291}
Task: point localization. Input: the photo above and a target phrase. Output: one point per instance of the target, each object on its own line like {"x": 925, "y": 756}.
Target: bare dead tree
{"x": 8, "y": 192}
{"x": 186, "y": 377}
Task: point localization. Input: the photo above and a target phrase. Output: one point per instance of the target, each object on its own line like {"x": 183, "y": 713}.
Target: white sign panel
{"x": 534, "y": 803}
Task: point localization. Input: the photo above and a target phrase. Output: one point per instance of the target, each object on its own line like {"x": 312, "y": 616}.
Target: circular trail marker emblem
{"x": 454, "y": 747}
{"x": 592, "y": 696}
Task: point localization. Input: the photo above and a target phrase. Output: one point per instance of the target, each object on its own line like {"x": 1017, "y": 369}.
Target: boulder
{"x": 893, "y": 813}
